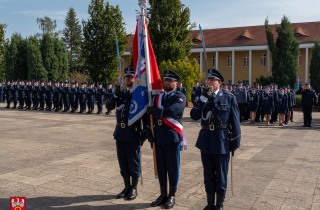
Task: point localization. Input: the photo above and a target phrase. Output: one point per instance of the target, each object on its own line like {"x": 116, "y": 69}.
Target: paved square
{"x": 68, "y": 161}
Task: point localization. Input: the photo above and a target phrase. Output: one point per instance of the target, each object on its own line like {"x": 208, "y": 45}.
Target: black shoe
{"x": 133, "y": 193}
{"x": 64, "y": 110}
{"x": 220, "y": 200}
{"x": 304, "y": 126}
{"x": 35, "y": 108}
{"x": 41, "y": 109}
{"x": 291, "y": 120}
{"x": 49, "y": 110}
{"x": 19, "y": 108}
{"x": 309, "y": 126}
{"x": 171, "y": 198}
{"x": 8, "y": 107}
{"x": 162, "y": 199}
{"x": 210, "y": 200}
{"x": 57, "y": 110}
{"x": 126, "y": 189}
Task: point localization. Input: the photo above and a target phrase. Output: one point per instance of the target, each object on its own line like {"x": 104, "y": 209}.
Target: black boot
{"x": 162, "y": 199}
{"x": 126, "y": 189}
{"x": 210, "y": 200}
{"x": 133, "y": 190}
{"x": 171, "y": 198}
{"x": 220, "y": 200}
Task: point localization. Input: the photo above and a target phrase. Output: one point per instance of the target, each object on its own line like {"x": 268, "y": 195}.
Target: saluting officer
{"x": 109, "y": 93}
{"x": 8, "y": 93}
{"x": 181, "y": 89}
{"x": 128, "y": 138}
{"x": 35, "y": 92}
{"x": 49, "y": 93}
{"x": 100, "y": 95}
{"x": 241, "y": 96}
{"x": 309, "y": 99}
{"x": 218, "y": 112}
{"x": 168, "y": 137}
{"x": 196, "y": 90}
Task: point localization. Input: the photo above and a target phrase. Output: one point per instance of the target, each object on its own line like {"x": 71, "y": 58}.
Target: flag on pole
{"x": 147, "y": 77}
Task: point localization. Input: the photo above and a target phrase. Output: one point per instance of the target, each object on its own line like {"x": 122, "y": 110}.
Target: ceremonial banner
{"x": 147, "y": 77}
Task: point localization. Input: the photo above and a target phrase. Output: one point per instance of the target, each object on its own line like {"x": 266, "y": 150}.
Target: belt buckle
{"x": 211, "y": 127}
{"x": 123, "y": 125}
{"x": 159, "y": 122}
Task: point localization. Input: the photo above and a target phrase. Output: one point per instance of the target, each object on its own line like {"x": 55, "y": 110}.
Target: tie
{"x": 214, "y": 95}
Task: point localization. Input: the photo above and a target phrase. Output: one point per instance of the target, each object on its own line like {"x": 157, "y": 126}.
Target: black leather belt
{"x": 160, "y": 122}
{"x": 213, "y": 127}
{"x": 123, "y": 125}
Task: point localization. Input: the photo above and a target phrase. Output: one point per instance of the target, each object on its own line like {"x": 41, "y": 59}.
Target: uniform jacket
{"x": 35, "y": 91}
{"x": 253, "y": 100}
{"x": 267, "y": 100}
{"x": 100, "y": 92}
{"x": 122, "y": 105}
{"x": 42, "y": 91}
{"x": 14, "y": 90}
{"x": 21, "y": 90}
{"x": 241, "y": 95}
{"x": 8, "y": 90}
{"x": 50, "y": 91}
{"x": 309, "y": 97}
{"x": 73, "y": 92}
{"x": 282, "y": 101}
{"x": 182, "y": 90}
{"x": 218, "y": 140}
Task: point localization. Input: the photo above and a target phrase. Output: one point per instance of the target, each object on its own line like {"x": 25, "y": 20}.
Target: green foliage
{"x": 285, "y": 52}
{"x": 264, "y": 80}
{"x": 99, "y": 45}
{"x": 2, "y": 49}
{"x": 35, "y": 63}
{"x": 188, "y": 71}
{"x": 62, "y": 58}
{"x": 315, "y": 67}
{"x": 47, "y": 26}
{"x": 298, "y": 101}
{"x": 50, "y": 61}
{"x": 16, "y": 65}
{"x": 72, "y": 37}
{"x": 169, "y": 30}
{"x": 78, "y": 76}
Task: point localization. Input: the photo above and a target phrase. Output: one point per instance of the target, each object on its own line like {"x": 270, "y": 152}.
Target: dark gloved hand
{"x": 233, "y": 149}
{"x": 150, "y": 110}
{"x": 117, "y": 90}
{"x": 151, "y": 140}
{"x": 206, "y": 92}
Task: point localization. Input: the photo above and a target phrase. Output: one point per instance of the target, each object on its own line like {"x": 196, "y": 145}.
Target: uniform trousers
{"x": 307, "y": 114}
{"x": 215, "y": 171}
{"x": 129, "y": 159}
{"x": 168, "y": 163}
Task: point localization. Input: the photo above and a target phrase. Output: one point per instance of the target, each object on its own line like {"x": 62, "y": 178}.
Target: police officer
{"x": 76, "y": 105}
{"x": 42, "y": 94}
{"x": 100, "y": 92}
{"x": 66, "y": 92}
{"x": 195, "y": 90}
{"x": 21, "y": 91}
{"x": 35, "y": 93}
{"x": 57, "y": 92}
{"x": 275, "y": 112}
{"x": 61, "y": 98}
{"x": 49, "y": 94}
{"x": 82, "y": 98}
{"x": 182, "y": 89}
{"x": 28, "y": 92}
{"x": 267, "y": 104}
{"x": 241, "y": 96}
{"x": 218, "y": 112}
{"x": 292, "y": 104}
{"x": 253, "y": 104}
{"x": 15, "y": 93}
{"x": 90, "y": 98}
{"x": 8, "y": 93}
{"x": 309, "y": 99}
{"x": 282, "y": 105}
{"x": 1, "y": 93}
{"x": 73, "y": 96}
{"x": 167, "y": 140}
{"x": 128, "y": 138}
{"x": 246, "y": 107}
{"x": 109, "y": 93}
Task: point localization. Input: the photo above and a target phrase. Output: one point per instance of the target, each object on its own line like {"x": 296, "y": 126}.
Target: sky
{"x": 21, "y": 15}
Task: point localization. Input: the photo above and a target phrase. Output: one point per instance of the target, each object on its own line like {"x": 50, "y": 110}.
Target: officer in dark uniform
{"x": 73, "y": 96}
{"x": 109, "y": 93}
{"x": 241, "y": 96}
{"x": 28, "y": 93}
{"x": 50, "y": 94}
{"x": 90, "y": 98}
{"x": 267, "y": 104}
{"x": 246, "y": 108}
{"x": 8, "y": 93}
{"x": 82, "y": 98}
{"x": 100, "y": 92}
{"x": 309, "y": 99}
{"x": 57, "y": 92}
{"x": 275, "y": 112}
{"x": 292, "y": 104}
{"x": 1, "y": 93}
{"x": 61, "y": 98}
{"x": 167, "y": 139}
{"x": 182, "y": 89}
{"x": 21, "y": 91}
{"x": 195, "y": 91}
{"x": 42, "y": 94}
{"x": 15, "y": 93}
{"x": 128, "y": 138}
{"x": 76, "y": 105}
{"x": 281, "y": 103}
{"x": 253, "y": 104}
{"x": 218, "y": 112}
{"x": 35, "y": 93}
{"x": 66, "y": 92}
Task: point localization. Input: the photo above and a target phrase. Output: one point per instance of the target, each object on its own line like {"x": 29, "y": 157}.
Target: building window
{"x": 299, "y": 59}
{"x": 263, "y": 59}
{"x": 198, "y": 59}
{"x": 230, "y": 60}
{"x": 245, "y": 60}
{"x": 213, "y": 61}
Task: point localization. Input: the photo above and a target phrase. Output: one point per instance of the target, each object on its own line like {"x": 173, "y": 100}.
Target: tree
{"x": 2, "y": 49}
{"x": 62, "y": 58}
{"x": 72, "y": 37}
{"x": 47, "y": 26}
{"x": 35, "y": 63}
{"x": 315, "y": 67}
{"x": 99, "y": 45}
{"x": 169, "y": 30}
{"x": 49, "y": 58}
{"x": 16, "y": 66}
{"x": 188, "y": 71}
{"x": 285, "y": 52}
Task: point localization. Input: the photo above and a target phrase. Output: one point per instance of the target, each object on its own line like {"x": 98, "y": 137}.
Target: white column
{"x": 201, "y": 61}
{"x": 268, "y": 62}
{"x": 217, "y": 60}
{"x": 307, "y": 61}
{"x": 250, "y": 66}
{"x": 233, "y": 61}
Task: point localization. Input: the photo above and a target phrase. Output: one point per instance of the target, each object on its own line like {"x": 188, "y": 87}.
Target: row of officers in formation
{"x": 64, "y": 96}
{"x": 268, "y": 103}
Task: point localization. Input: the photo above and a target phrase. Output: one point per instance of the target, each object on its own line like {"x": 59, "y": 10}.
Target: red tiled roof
{"x": 256, "y": 35}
